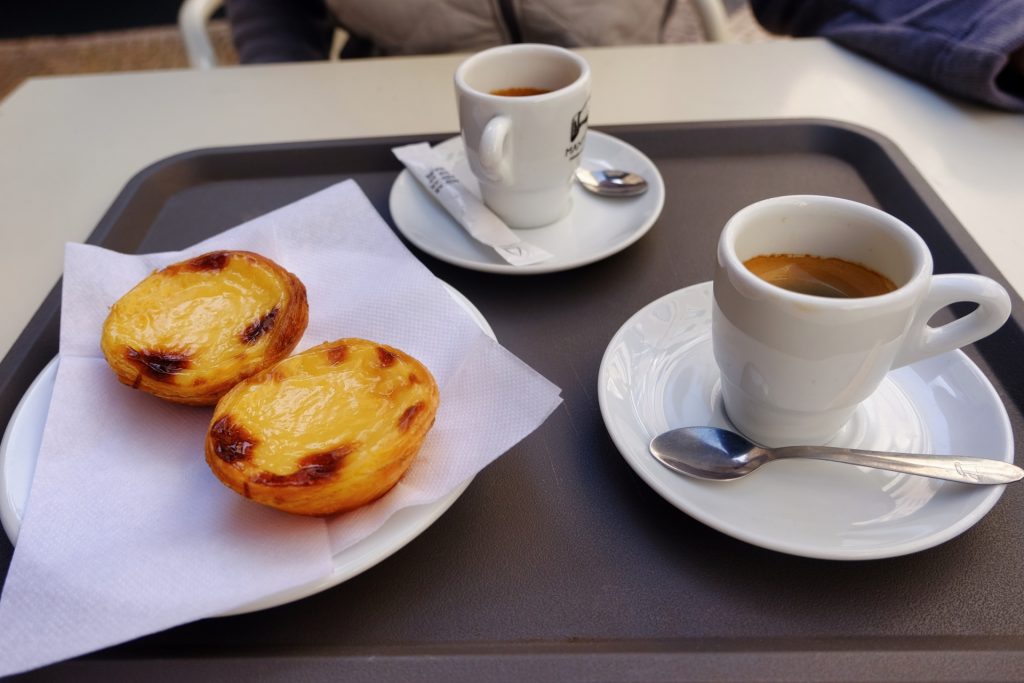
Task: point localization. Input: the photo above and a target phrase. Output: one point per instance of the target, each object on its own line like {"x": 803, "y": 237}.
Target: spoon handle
{"x": 953, "y": 468}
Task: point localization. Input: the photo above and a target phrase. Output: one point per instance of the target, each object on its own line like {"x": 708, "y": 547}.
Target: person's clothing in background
{"x": 271, "y": 31}
{"x": 293, "y": 30}
{"x": 971, "y": 48}
{"x": 397, "y": 27}
{"x": 964, "y": 47}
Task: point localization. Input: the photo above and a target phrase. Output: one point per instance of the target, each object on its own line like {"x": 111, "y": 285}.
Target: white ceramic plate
{"x": 659, "y": 373}
{"x": 19, "y": 450}
{"x": 596, "y": 228}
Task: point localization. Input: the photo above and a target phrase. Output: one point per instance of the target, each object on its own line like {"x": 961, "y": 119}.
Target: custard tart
{"x": 191, "y": 331}
{"x": 324, "y": 431}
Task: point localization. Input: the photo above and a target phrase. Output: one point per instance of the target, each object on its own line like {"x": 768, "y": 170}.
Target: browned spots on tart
{"x": 296, "y": 315}
{"x": 337, "y": 354}
{"x": 191, "y": 331}
{"x": 312, "y": 469}
{"x": 160, "y": 365}
{"x": 253, "y": 332}
{"x": 338, "y": 431}
{"x": 212, "y": 261}
{"x": 409, "y": 415}
{"x": 386, "y": 358}
{"x": 231, "y": 442}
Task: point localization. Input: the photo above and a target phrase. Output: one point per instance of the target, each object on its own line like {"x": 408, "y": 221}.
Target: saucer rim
{"x": 656, "y": 184}
{"x": 984, "y": 505}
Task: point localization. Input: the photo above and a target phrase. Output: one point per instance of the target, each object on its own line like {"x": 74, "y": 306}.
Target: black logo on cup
{"x": 579, "y": 121}
{"x": 577, "y": 126}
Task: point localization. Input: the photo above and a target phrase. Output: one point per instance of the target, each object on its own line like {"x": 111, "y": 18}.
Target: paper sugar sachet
{"x": 483, "y": 225}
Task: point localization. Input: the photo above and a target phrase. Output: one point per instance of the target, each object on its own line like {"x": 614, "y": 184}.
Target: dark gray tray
{"x": 558, "y": 561}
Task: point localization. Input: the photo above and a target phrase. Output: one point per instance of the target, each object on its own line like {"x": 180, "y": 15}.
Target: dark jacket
{"x": 960, "y": 46}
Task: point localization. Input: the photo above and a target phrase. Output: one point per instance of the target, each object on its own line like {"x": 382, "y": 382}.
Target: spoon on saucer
{"x": 610, "y": 182}
{"x": 718, "y": 454}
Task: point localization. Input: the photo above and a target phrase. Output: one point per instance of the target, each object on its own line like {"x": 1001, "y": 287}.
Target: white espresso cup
{"x": 795, "y": 366}
{"x": 524, "y": 149}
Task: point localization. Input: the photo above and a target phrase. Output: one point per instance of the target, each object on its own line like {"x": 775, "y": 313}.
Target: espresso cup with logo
{"x": 523, "y": 113}
{"x": 842, "y": 295}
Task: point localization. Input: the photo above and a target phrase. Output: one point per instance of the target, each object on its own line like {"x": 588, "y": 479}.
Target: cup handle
{"x": 492, "y": 149}
{"x": 923, "y": 341}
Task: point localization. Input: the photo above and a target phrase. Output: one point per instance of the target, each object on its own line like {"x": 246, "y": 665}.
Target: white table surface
{"x": 69, "y": 144}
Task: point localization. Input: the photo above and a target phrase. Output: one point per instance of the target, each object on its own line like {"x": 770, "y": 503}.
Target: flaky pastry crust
{"x": 325, "y": 431}
{"x": 191, "y": 331}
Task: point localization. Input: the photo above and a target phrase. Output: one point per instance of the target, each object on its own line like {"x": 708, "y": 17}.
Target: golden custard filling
{"x": 326, "y": 430}
{"x": 306, "y": 405}
{"x": 191, "y": 331}
{"x": 202, "y": 319}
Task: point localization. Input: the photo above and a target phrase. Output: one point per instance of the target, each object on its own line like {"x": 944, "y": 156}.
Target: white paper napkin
{"x": 127, "y": 532}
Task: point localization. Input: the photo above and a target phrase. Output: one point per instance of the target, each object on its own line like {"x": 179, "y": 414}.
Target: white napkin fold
{"x": 127, "y": 532}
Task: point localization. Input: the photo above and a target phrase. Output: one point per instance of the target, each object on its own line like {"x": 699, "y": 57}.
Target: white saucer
{"x": 20, "y": 448}
{"x": 596, "y": 228}
{"x": 659, "y": 373}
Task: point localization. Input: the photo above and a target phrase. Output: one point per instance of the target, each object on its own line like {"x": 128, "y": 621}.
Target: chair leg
{"x": 193, "y": 20}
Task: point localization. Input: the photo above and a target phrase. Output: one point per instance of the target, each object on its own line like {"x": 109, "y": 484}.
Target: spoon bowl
{"x": 720, "y": 455}
{"x": 611, "y": 182}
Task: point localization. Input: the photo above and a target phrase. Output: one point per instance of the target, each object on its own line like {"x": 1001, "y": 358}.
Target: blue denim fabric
{"x": 960, "y": 46}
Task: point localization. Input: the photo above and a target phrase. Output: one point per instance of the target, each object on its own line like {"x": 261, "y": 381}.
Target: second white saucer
{"x": 659, "y": 373}
{"x": 596, "y": 228}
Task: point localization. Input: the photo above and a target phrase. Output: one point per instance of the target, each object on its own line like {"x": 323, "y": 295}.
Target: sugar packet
{"x": 483, "y": 225}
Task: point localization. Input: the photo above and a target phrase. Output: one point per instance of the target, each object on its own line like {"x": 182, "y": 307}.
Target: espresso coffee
{"x": 819, "y": 276}
{"x": 519, "y": 92}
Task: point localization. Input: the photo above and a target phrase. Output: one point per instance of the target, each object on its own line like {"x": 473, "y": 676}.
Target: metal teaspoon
{"x": 611, "y": 182}
{"x": 718, "y": 454}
